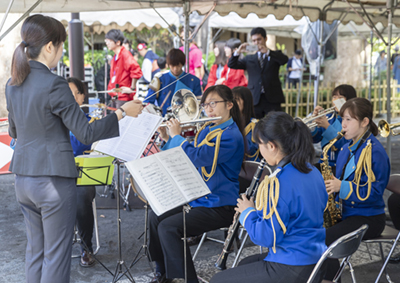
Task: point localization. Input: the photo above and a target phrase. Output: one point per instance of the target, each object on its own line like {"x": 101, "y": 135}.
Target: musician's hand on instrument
{"x": 174, "y": 127}
{"x": 333, "y": 186}
{"x": 322, "y": 122}
{"x": 242, "y": 48}
{"x": 243, "y": 203}
{"x": 163, "y": 133}
{"x": 133, "y": 108}
{"x": 317, "y": 110}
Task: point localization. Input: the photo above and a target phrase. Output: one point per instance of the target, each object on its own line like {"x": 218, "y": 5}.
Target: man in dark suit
{"x": 263, "y": 71}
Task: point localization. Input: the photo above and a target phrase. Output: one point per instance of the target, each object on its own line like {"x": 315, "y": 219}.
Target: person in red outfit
{"x": 216, "y": 72}
{"x": 233, "y": 77}
{"x": 125, "y": 71}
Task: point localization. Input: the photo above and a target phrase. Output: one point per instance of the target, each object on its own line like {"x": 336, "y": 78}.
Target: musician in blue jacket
{"x": 327, "y": 130}
{"x": 362, "y": 173}
{"x": 287, "y": 216}
{"x": 217, "y": 152}
{"x": 244, "y": 100}
{"x": 172, "y": 81}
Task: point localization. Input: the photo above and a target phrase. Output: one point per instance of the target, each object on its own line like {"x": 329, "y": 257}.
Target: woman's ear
{"x": 365, "y": 122}
{"x": 229, "y": 105}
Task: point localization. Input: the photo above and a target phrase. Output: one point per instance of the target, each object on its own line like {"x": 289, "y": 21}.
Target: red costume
{"x": 232, "y": 77}
{"x": 124, "y": 68}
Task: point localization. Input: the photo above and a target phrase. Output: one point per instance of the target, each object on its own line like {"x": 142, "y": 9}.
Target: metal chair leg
{"x": 96, "y": 227}
{"x": 387, "y": 260}
{"x": 239, "y": 252}
{"x": 199, "y": 245}
{"x": 353, "y": 277}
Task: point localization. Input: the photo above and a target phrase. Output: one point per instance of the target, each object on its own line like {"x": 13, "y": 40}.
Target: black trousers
{"x": 166, "y": 233}
{"x": 84, "y": 214}
{"x": 376, "y": 225}
{"x": 264, "y": 107}
{"x": 293, "y": 83}
{"x": 255, "y": 270}
{"x": 394, "y": 209}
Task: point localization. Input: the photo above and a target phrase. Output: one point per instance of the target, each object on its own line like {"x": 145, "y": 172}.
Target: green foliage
{"x": 211, "y": 59}
{"x": 159, "y": 40}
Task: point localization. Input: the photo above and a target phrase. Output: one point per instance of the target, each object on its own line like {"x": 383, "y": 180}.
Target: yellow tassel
{"x": 211, "y": 135}
{"x": 267, "y": 197}
{"x": 250, "y": 128}
{"x": 364, "y": 162}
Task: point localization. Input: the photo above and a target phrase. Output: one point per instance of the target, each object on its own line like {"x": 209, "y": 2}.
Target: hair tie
{"x": 24, "y": 43}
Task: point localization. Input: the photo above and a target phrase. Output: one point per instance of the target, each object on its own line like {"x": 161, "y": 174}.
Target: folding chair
{"x": 344, "y": 247}
{"x": 246, "y": 175}
{"x": 389, "y": 235}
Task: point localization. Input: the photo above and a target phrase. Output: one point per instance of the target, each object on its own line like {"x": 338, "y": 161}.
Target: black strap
{"x": 363, "y": 139}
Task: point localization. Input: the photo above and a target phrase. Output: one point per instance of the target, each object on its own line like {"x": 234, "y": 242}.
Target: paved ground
{"x": 13, "y": 242}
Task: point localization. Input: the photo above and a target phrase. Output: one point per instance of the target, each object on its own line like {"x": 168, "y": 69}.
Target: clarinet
{"x": 234, "y": 228}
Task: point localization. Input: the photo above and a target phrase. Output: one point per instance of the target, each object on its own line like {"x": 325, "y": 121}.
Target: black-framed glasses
{"x": 212, "y": 104}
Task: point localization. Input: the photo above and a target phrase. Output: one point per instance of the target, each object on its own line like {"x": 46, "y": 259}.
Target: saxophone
{"x": 332, "y": 213}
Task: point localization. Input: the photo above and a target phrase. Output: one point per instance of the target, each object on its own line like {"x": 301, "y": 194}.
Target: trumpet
{"x": 385, "y": 129}
{"x": 195, "y": 121}
{"x": 309, "y": 121}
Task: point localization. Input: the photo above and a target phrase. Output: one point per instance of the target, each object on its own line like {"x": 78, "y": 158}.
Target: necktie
{"x": 261, "y": 62}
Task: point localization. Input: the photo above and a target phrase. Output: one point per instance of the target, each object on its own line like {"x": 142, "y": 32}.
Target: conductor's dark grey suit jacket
{"x": 42, "y": 111}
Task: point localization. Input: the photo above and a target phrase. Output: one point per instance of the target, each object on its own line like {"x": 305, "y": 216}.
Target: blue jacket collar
{"x": 223, "y": 125}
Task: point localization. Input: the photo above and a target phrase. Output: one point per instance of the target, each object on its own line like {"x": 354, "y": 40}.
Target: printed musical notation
{"x": 168, "y": 179}
{"x": 135, "y": 134}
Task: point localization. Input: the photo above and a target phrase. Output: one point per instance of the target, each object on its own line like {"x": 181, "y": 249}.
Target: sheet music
{"x": 168, "y": 179}
{"x": 135, "y": 134}
{"x": 184, "y": 173}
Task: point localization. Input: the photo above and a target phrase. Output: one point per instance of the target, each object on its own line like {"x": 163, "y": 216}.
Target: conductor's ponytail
{"x": 292, "y": 137}
{"x": 36, "y": 32}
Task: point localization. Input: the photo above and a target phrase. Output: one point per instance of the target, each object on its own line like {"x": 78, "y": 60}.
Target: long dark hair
{"x": 226, "y": 94}
{"x": 36, "y": 31}
{"x": 360, "y": 108}
{"x": 221, "y": 58}
{"x": 78, "y": 83}
{"x": 248, "y": 108}
{"x": 293, "y": 138}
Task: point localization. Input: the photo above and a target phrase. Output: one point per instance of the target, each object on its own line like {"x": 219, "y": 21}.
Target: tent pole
{"x": 317, "y": 73}
{"x": 76, "y": 47}
{"x": 370, "y": 67}
{"x": 389, "y": 4}
{"x": 6, "y": 14}
{"x": 186, "y": 10}
{"x": 208, "y": 45}
{"x": 26, "y": 14}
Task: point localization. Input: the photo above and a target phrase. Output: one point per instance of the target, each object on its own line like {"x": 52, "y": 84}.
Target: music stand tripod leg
{"x": 120, "y": 264}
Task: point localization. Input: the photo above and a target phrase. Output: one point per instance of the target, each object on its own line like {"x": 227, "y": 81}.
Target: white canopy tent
{"x": 126, "y": 20}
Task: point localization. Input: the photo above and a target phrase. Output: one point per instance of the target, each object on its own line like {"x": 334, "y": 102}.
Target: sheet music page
{"x": 156, "y": 183}
{"x": 135, "y": 134}
{"x": 184, "y": 173}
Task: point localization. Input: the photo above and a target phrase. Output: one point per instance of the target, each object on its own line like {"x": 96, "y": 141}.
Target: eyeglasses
{"x": 212, "y": 104}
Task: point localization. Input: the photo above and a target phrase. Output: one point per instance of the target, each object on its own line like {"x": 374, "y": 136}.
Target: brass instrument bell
{"x": 385, "y": 129}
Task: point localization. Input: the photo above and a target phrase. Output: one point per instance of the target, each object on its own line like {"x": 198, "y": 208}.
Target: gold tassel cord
{"x": 250, "y": 128}
{"x": 267, "y": 197}
{"x": 207, "y": 141}
{"x": 364, "y": 162}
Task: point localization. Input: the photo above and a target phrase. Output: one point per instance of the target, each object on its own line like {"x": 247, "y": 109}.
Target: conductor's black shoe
{"x": 395, "y": 258}
{"x": 86, "y": 259}
{"x": 158, "y": 278}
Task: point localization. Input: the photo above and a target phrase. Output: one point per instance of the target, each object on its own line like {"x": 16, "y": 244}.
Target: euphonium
{"x": 332, "y": 213}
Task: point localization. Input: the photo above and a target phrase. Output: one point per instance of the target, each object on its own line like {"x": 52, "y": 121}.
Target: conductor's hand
{"x": 243, "y": 203}
{"x": 133, "y": 108}
{"x": 242, "y": 48}
{"x": 174, "y": 127}
{"x": 125, "y": 89}
{"x": 163, "y": 133}
{"x": 333, "y": 186}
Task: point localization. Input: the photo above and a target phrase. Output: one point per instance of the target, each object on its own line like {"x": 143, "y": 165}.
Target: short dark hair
{"x": 347, "y": 91}
{"x": 298, "y": 52}
{"x": 176, "y": 57}
{"x": 248, "y": 108}
{"x": 78, "y": 83}
{"x": 161, "y": 62}
{"x": 360, "y": 108}
{"x": 115, "y": 35}
{"x": 260, "y": 31}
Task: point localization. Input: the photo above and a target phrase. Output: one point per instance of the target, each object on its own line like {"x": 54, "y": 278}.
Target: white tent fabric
{"x": 280, "y": 8}
{"x": 126, "y": 20}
